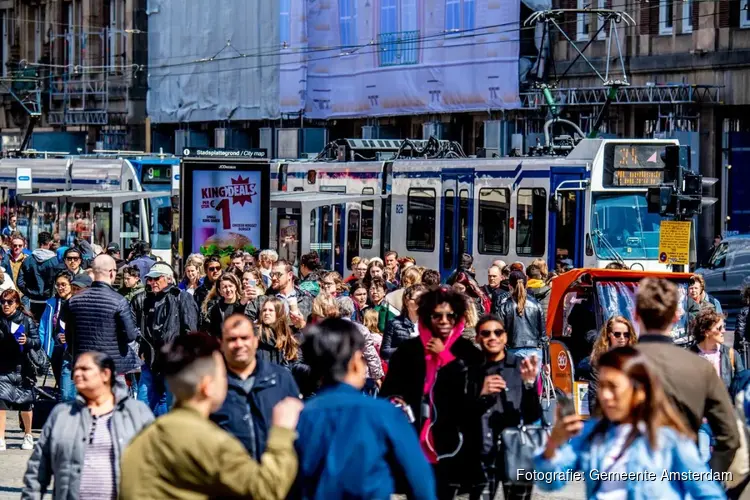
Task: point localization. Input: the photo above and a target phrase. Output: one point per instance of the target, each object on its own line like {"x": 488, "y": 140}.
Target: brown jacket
{"x": 696, "y": 391}
{"x": 183, "y": 455}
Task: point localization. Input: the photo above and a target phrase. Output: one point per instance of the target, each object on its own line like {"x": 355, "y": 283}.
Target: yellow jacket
{"x": 183, "y": 455}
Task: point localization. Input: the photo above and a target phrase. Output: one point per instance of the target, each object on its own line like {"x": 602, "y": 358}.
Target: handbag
{"x": 38, "y": 361}
{"x": 519, "y": 445}
{"x": 548, "y": 399}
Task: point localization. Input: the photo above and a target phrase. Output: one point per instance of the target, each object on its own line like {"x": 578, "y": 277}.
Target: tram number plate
{"x": 399, "y": 208}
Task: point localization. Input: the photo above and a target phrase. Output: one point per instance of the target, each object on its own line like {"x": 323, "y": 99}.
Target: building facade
{"x": 80, "y": 65}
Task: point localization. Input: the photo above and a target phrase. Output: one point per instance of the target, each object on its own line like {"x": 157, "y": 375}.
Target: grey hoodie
{"x": 43, "y": 255}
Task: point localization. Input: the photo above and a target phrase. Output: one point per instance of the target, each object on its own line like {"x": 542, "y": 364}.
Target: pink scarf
{"x": 434, "y": 362}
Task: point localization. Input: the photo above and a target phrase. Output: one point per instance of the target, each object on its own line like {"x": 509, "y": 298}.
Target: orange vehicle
{"x": 581, "y": 301}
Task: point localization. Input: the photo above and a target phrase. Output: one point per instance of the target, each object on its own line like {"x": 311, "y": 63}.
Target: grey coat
{"x": 61, "y": 448}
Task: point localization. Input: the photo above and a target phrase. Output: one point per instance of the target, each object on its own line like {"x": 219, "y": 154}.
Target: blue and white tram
{"x": 588, "y": 207}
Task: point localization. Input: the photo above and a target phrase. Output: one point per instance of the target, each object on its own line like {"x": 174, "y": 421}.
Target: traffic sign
{"x": 674, "y": 242}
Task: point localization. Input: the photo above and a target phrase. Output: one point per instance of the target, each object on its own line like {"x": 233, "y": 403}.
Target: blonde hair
{"x": 370, "y": 320}
{"x": 519, "y": 295}
{"x": 325, "y": 306}
{"x": 602, "y": 342}
{"x": 471, "y": 317}
{"x": 542, "y": 265}
{"x": 410, "y": 276}
{"x": 197, "y": 260}
{"x": 286, "y": 342}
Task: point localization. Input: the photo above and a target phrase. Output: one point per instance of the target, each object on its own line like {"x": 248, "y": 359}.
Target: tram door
{"x": 327, "y": 235}
{"x": 456, "y": 219}
{"x": 566, "y": 226}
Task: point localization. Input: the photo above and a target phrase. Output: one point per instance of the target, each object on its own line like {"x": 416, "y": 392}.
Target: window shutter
{"x": 729, "y": 13}
{"x": 569, "y": 24}
{"x": 695, "y": 9}
{"x": 649, "y": 22}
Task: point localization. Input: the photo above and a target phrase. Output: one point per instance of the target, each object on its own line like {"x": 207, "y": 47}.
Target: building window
{"x": 348, "y": 22}
{"x": 459, "y": 15}
{"x": 420, "y": 220}
{"x": 116, "y": 31}
{"x": 600, "y": 21}
{"x": 531, "y": 221}
{"x": 38, "y": 33}
{"x": 744, "y": 13}
{"x": 399, "y": 38}
{"x": 494, "y": 214}
{"x": 285, "y": 22}
{"x": 352, "y": 236}
{"x": 666, "y": 16}
{"x": 6, "y": 24}
{"x": 583, "y": 22}
{"x": 687, "y": 16}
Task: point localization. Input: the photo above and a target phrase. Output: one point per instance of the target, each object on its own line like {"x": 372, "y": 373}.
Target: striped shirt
{"x": 98, "y": 474}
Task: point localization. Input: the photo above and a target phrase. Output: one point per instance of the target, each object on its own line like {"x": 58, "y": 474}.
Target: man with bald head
{"x": 100, "y": 319}
{"x": 255, "y": 384}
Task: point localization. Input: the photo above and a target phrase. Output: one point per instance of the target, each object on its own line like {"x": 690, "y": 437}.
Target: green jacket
{"x": 386, "y": 314}
{"x": 183, "y": 455}
{"x": 129, "y": 293}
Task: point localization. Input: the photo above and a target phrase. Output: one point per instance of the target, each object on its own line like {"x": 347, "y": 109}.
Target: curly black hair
{"x": 440, "y": 295}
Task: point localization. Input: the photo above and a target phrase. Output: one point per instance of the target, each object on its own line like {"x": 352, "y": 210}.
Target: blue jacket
{"x": 676, "y": 454}
{"x": 37, "y": 275}
{"x": 272, "y": 384}
{"x": 354, "y": 446}
{"x": 100, "y": 319}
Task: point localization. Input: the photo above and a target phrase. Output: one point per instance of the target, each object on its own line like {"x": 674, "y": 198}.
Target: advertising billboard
{"x": 226, "y": 206}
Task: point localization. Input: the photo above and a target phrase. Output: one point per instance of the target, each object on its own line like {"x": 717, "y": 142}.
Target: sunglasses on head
{"x": 487, "y": 333}
{"x": 618, "y": 335}
{"x": 438, "y": 316}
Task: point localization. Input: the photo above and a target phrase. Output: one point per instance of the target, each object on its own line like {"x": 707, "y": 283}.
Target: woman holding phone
{"x": 639, "y": 432}
{"x": 18, "y": 335}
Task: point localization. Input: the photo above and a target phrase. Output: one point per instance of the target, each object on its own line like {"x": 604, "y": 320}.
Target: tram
{"x": 588, "y": 207}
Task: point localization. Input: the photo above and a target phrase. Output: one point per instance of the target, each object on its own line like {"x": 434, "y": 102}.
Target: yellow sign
{"x": 674, "y": 242}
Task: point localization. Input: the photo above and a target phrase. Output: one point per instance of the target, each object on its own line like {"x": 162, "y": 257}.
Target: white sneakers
{"x": 28, "y": 443}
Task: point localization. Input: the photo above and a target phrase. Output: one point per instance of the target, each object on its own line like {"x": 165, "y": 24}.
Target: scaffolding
{"x": 649, "y": 94}
{"x": 81, "y": 93}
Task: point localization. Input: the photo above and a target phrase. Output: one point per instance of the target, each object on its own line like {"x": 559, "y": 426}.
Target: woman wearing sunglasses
{"x": 18, "y": 335}
{"x": 504, "y": 392}
{"x": 617, "y": 332}
{"x": 429, "y": 374}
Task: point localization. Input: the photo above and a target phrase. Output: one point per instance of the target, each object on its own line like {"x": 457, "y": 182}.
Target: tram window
{"x": 532, "y": 221}
{"x": 449, "y": 230}
{"x": 420, "y": 220}
{"x": 321, "y": 234}
{"x": 352, "y": 237}
{"x": 494, "y": 214}
{"x": 368, "y": 220}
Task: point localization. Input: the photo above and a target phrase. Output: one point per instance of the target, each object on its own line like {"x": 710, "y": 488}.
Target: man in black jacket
{"x": 164, "y": 313}
{"x": 100, "y": 319}
{"x": 37, "y": 275}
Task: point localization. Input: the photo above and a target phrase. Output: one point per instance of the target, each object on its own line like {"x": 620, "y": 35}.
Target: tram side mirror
{"x": 554, "y": 203}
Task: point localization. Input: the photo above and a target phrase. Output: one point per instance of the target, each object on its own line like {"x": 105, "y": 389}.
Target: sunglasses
{"x": 618, "y": 335}
{"x": 17, "y": 246}
{"x": 7, "y": 302}
{"x": 438, "y": 316}
{"x": 487, "y": 333}
{"x": 277, "y": 275}
{"x": 214, "y": 269}
{"x": 72, "y": 259}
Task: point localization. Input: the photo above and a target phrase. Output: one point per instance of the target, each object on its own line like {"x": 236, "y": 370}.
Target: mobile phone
{"x": 566, "y": 404}
{"x": 252, "y": 283}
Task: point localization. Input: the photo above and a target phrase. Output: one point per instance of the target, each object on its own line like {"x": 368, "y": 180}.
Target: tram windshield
{"x": 161, "y": 222}
{"x": 623, "y": 228}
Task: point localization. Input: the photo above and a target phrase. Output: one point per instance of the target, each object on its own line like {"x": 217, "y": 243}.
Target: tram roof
{"x": 84, "y": 195}
{"x": 286, "y": 199}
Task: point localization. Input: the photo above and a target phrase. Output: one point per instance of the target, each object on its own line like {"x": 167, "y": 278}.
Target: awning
{"x": 313, "y": 199}
{"x": 94, "y": 196}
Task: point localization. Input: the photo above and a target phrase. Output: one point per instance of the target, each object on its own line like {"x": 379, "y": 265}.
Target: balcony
{"x": 399, "y": 48}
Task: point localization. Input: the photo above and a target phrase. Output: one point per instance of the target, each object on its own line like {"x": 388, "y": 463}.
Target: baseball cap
{"x": 113, "y": 247}
{"x": 160, "y": 269}
{"x": 82, "y": 280}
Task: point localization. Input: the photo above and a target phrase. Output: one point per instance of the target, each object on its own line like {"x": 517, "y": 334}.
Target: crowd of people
{"x": 251, "y": 377}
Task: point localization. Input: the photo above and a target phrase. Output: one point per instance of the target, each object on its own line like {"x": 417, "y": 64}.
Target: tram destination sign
{"x": 633, "y": 164}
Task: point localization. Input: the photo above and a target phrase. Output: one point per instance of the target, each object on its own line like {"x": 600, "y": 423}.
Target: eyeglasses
{"x": 438, "y": 316}
{"x": 7, "y": 302}
{"x": 487, "y": 333}
{"x": 214, "y": 269}
{"x": 618, "y": 335}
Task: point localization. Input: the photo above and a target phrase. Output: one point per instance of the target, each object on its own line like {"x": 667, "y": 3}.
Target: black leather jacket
{"x": 397, "y": 331}
{"x": 740, "y": 331}
{"x": 527, "y": 330}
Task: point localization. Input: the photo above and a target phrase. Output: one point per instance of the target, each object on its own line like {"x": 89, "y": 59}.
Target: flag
{"x": 17, "y": 330}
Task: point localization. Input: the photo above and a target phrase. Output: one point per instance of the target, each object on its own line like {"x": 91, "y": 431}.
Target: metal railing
{"x": 399, "y": 48}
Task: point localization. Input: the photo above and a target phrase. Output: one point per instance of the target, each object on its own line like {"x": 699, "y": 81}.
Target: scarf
{"x": 433, "y": 363}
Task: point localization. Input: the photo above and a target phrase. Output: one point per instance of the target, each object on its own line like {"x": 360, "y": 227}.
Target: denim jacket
{"x": 676, "y": 454}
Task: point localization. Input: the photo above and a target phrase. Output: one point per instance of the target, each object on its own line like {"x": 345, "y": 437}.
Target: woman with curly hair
{"x": 618, "y": 331}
